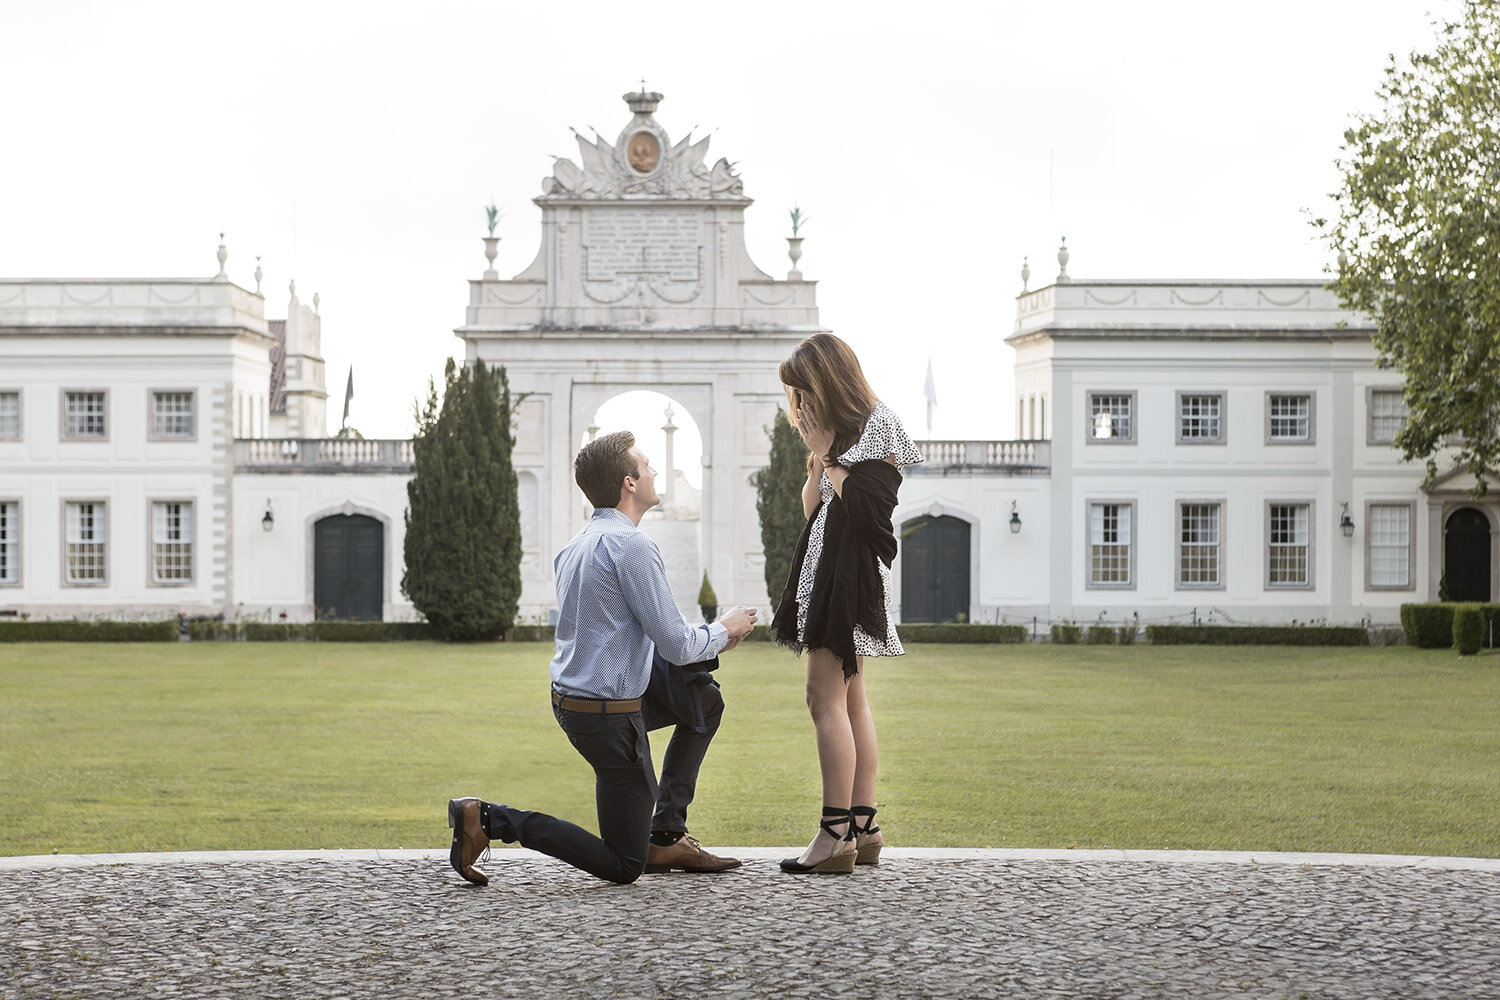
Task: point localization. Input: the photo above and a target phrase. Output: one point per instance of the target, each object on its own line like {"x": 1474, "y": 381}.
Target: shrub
{"x": 948, "y": 632}
{"x": 1128, "y": 634}
{"x": 1256, "y": 635}
{"x": 1428, "y": 626}
{"x": 1066, "y": 635}
{"x": 74, "y": 631}
{"x": 1468, "y": 629}
{"x": 706, "y": 596}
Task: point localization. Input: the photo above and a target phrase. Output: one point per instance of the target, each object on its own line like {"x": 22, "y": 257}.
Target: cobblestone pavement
{"x": 396, "y": 924}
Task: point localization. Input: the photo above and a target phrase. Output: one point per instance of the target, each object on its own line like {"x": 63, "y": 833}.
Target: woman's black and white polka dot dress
{"x": 883, "y": 436}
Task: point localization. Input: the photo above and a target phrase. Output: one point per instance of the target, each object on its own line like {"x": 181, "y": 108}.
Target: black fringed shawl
{"x": 846, "y": 584}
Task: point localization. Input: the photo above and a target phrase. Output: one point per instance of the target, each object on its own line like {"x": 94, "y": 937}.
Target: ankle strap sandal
{"x": 840, "y": 862}
{"x": 867, "y": 854}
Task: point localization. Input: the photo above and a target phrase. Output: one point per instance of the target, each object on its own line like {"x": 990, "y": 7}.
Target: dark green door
{"x": 348, "y": 567}
{"x": 934, "y": 569}
{"x": 1466, "y": 555}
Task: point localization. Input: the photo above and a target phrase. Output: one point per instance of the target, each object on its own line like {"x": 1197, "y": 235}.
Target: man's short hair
{"x": 602, "y": 465}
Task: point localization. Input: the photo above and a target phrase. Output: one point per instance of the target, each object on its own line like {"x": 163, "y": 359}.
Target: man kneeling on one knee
{"x": 616, "y": 615}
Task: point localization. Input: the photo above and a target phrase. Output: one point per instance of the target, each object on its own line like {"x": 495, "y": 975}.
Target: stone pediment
{"x": 642, "y": 163}
{"x": 1456, "y": 481}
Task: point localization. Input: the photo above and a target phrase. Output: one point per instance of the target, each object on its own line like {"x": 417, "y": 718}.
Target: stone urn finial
{"x": 223, "y": 255}
{"x": 1062, "y": 263}
{"x": 1025, "y": 272}
{"x": 258, "y": 275}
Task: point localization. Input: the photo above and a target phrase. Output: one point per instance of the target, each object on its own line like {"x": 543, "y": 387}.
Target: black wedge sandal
{"x": 837, "y": 863}
{"x": 865, "y": 854}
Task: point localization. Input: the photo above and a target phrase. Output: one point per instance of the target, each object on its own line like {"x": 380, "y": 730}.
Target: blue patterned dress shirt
{"x": 614, "y": 607}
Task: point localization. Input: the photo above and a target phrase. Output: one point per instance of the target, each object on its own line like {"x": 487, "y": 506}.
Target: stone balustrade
{"x": 945, "y": 456}
{"x": 352, "y": 455}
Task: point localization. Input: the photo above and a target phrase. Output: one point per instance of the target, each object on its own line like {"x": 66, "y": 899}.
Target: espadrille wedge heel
{"x": 841, "y": 861}
{"x": 865, "y": 854}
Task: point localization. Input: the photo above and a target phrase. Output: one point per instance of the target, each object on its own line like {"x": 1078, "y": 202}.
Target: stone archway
{"x": 642, "y": 281}
{"x": 935, "y": 580}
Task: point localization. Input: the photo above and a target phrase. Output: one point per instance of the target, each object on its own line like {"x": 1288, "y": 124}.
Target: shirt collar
{"x": 611, "y": 514}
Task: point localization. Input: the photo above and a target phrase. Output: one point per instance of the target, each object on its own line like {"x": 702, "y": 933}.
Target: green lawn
{"x": 263, "y": 745}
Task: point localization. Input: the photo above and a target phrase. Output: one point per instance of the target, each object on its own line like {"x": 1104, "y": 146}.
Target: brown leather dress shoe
{"x": 687, "y": 855}
{"x": 469, "y": 840}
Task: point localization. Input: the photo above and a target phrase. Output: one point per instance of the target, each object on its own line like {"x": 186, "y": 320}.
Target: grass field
{"x": 205, "y": 746}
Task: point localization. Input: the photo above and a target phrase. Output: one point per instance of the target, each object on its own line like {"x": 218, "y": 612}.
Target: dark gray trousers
{"x": 625, "y": 788}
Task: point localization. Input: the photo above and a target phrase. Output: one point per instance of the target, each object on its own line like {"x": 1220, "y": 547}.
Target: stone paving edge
{"x": 996, "y": 855}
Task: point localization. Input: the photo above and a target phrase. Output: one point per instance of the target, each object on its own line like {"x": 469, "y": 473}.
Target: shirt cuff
{"x": 718, "y": 638}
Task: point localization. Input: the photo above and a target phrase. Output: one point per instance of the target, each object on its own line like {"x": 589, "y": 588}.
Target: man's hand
{"x": 739, "y": 620}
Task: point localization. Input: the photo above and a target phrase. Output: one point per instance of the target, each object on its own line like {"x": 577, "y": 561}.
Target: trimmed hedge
{"x": 1067, "y": 635}
{"x": 1468, "y": 629}
{"x": 1256, "y": 635}
{"x": 948, "y": 632}
{"x": 1101, "y": 635}
{"x": 73, "y": 631}
{"x": 1431, "y": 626}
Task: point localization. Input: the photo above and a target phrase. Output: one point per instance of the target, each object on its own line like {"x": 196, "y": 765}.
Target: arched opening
{"x": 934, "y": 569}
{"x": 671, "y": 440}
{"x": 1466, "y": 555}
{"x": 348, "y": 568}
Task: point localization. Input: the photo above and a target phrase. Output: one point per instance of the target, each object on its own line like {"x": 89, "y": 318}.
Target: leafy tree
{"x": 778, "y": 501}
{"x": 463, "y": 524}
{"x": 1418, "y": 238}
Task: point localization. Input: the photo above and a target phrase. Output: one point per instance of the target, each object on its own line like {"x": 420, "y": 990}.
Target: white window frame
{"x": 64, "y": 427}
{"x": 1222, "y": 418}
{"x": 20, "y": 411}
{"x": 1308, "y": 544}
{"x": 1372, "y": 434}
{"x": 160, "y": 547}
{"x": 1312, "y": 416}
{"x": 101, "y": 526}
{"x": 1411, "y": 544}
{"x": 1218, "y": 544}
{"x": 1132, "y": 415}
{"x": 1090, "y": 580}
{"x": 10, "y": 542}
{"x": 154, "y": 416}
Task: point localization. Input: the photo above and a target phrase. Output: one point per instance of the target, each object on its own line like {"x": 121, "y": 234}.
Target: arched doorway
{"x": 1466, "y": 555}
{"x": 934, "y": 569}
{"x": 348, "y": 567}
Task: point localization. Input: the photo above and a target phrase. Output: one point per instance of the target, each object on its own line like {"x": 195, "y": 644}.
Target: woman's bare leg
{"x": 827, "y": 700}
{"x": 866, "y": 748}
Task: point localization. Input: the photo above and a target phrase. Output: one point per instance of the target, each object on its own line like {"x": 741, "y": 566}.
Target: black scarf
{"x": 846, "y": 583}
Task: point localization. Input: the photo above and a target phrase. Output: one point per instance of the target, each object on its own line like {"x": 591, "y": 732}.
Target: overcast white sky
{"x": 353, "y": 147}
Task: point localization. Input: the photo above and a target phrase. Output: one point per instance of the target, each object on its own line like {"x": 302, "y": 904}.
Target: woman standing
{"x": 837, "y": 602}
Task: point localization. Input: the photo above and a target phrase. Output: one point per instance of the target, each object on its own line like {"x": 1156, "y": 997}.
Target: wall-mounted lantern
{"x": 269, "y": 520}
{"x": 1015, "y": 519}
{"x": 1346, "y": 523}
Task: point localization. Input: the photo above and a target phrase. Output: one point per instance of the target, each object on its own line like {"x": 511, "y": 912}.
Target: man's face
{"x": 645, "y": 483}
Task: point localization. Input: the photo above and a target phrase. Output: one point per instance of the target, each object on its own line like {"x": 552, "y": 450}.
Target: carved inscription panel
{"x": 623, "y": 243}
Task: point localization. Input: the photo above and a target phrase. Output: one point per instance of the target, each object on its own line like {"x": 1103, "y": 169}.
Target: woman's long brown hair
{"x": 824, "y": 369}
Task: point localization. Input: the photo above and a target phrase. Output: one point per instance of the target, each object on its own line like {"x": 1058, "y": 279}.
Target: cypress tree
{"x": 778, "y": 501}
{"x": 463, "y": 524}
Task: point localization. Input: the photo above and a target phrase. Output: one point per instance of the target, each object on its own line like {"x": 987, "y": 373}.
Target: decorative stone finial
{"x": 1025, "y": 272}
{"x": 258, "y": 275}
{"x": 316, "y": 300}
{"x": 1343, "y": 261}
{"x": 223, "y": 256}
{"x": 292, "y": 287}
{"x": 1062, "y": 263}
{"x": 642, "y": 102}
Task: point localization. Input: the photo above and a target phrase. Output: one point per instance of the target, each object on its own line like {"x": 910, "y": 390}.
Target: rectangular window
{"x": 1289, "y": 418}
{"x": 10, "y": 416}
{"x": 1389, "y": 538}
{"x": 85, "y": 553}
{"x": 1111, "y": 417}
{"x": 83, "y": 415}
{"x": 10, "y": 542}
{"x": 1200, "y": 418}
{"x": 1387, "y": 415}
{"x": 172, "y": 416}
{"x": 1289, "y": 551}
{"x": 171, "y": 542}
{"x": 1109, "y": 545}
{"x": 1198, "y": 545}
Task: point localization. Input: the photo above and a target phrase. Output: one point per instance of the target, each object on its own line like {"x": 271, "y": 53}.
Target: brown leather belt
{"x": 595, "y": 706}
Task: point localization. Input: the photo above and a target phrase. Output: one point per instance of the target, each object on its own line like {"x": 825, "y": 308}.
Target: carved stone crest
{"x": 642, "y": 162}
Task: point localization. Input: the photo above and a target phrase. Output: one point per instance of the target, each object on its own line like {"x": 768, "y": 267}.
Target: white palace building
{"x": 1188, "y": 449}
